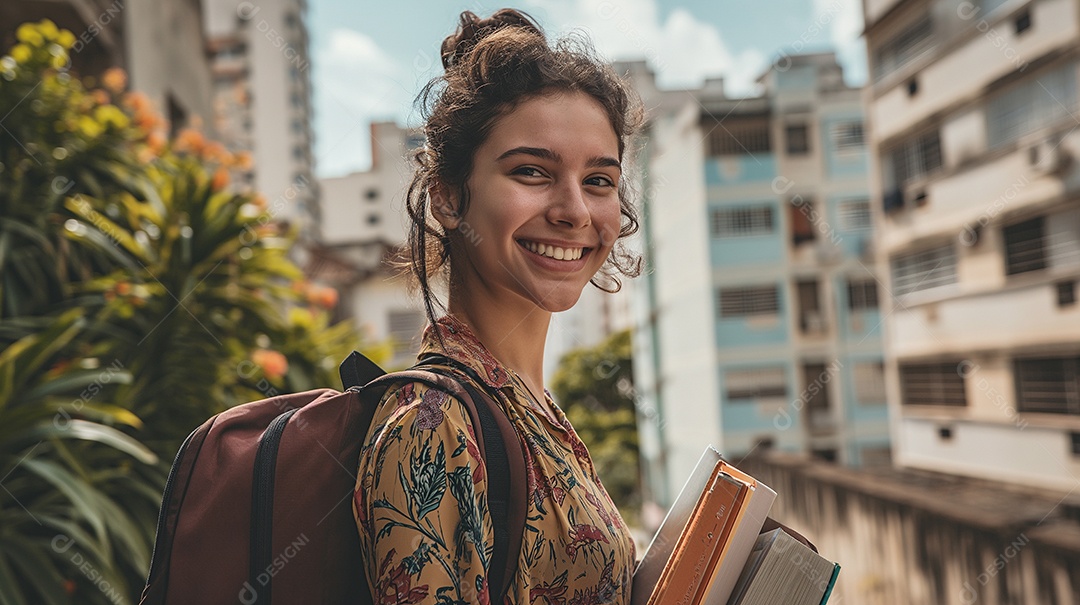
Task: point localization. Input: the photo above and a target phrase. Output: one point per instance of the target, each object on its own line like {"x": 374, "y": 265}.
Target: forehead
{"x": 572, "y": 124}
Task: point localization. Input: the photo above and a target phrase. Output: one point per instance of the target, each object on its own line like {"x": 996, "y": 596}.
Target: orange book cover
{"x": 723, "y": 543}
{"x": 704, "y": 534}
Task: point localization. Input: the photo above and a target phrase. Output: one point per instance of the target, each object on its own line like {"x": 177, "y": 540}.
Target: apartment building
{"x": 758, "y": 321}
{"x": 972, "y": 111}
{"x": 261, "y": 61}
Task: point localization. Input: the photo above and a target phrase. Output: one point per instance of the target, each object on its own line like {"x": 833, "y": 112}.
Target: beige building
{"x": 262, "y": 100}
{"x": 972, "y": 111}
{"x": 160, "y": 43}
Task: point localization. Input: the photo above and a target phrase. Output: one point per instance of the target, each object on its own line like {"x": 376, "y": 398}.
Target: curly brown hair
{"x": 491, "y": 65}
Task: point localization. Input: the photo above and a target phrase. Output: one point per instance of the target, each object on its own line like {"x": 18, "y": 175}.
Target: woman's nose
{"x": 568, "y": 206}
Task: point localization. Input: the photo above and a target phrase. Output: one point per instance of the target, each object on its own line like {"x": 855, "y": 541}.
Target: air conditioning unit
{"x": 1047, "y": 157}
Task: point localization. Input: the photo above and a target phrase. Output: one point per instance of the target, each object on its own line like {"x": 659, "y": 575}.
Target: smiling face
{"x": 543, "y": 210}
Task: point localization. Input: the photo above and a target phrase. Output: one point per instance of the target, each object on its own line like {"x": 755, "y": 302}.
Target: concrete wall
{"x": 925, "y": 538}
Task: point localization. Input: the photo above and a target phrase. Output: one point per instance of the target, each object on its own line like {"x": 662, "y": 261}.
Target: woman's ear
{"x": 444, "y": 206}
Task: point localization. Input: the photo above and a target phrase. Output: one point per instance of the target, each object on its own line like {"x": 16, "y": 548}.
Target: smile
{"x": 555, "y": 252}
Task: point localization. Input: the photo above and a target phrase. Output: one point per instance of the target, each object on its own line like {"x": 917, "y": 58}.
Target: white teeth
{"x": 554, "y": 252}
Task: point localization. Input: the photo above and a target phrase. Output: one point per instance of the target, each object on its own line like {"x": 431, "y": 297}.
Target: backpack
{"x": 256, "y": 508}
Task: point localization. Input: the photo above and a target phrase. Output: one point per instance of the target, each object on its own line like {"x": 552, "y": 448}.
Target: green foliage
{"x": 594, "y": 386}
{"x": 138, "y": 297}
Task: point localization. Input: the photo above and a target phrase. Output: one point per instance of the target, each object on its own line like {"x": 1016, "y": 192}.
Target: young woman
{"x": 520, "y": 201}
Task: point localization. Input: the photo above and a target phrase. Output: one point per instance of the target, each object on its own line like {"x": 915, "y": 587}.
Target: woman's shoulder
{"x": 419, "y": 409}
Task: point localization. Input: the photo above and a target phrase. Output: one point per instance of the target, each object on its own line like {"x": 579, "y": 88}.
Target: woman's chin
{"x": 558, "y": 301}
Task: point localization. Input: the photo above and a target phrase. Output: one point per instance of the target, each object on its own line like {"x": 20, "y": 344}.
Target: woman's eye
{"x": 599, "y": 181}
{"x": 528, "y": 171}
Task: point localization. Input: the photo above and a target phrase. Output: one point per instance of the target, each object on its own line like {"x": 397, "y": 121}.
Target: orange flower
{"x": 324, "y": 297}
{"x": 147, "y": 120}
{"x": 190, "y": 140}
{"x": 274, "y": 365}
{"x": 155, "y": 141}
{"x": 123, "y": 288}
{"x": 137, "y": 101}
{"x": 221, "y": 179}
{"x": 215, "y": 151}
{"x": 299, "y": 286}
{"x": 259, "y": 201}
{"x": 243, "y": 160}
{"x": 115, "y": 79}
{"x": 100, "y": 97}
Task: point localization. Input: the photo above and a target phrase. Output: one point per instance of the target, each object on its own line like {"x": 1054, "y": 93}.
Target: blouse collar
{"x": 463, "y": 346}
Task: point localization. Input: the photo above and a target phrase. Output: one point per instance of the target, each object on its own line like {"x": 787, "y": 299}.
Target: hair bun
{"x": 472, "y": 29}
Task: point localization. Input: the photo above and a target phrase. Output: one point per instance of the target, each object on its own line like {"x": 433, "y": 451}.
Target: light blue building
{"x": 758, "y": 322}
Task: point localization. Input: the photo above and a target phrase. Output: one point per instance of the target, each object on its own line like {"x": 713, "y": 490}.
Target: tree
{"x": 594, "y": 386}
{"x": 138, "y": 297}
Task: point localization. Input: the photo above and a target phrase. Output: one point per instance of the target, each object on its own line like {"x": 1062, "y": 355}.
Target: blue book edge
{"x": 832, "y": 583}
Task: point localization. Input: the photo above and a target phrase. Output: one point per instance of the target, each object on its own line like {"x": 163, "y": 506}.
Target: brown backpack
{"x": 257, "y": 505}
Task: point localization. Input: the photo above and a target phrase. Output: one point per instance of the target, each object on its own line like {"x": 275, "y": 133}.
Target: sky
{"x": 370, "y": 59}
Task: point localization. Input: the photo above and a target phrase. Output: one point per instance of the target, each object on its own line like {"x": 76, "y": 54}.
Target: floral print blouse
{"x": 420, "y": 499}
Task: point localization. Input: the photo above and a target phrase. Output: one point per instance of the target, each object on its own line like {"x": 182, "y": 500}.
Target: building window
{"x": 932, "y": 384}
{"x": 905, "y": 47}
{"x": 753, "y": 383}
{"x": 1066, "y": 293}
{"x": 924, "y": 270}
{"x": 405, "y": 327}
{"x": 371, "y": 194}
{"x": 373, "y": 219}
{"x": 811, "y": 319}
{"x": 1024, "y": 246}
{"x": 848, "y": 136}
{"x": 738, "y": 137}
{"x": 756, "y": 300}
{"x": 743, "y": 221}
{"x": 869, "y": 381}
{"x": 1048, "y": 385}
{"x": 862, "y": 294}
{"x": 816, "y": 394}
{"x": 854, "y": 215}
{"x": 1022, "y": 23}
{"x": 802, "y": 228}
{"x": 1031, "y": 105}
{"x": 912, "y": 159}
{"x": 798, "y": 139}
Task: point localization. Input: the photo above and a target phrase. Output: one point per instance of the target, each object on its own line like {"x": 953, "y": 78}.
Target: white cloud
{"x": 357, "y": 83}
{"x": 682, "y": 50}
{"x": 844, "y": 20}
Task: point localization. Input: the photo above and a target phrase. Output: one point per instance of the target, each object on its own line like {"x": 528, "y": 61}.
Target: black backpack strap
{"x": 506, "y": 473}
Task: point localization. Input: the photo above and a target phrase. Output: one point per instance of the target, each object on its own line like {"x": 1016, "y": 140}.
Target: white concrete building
{"x": 262, "y": 100}
{"x": 973, "y": 119}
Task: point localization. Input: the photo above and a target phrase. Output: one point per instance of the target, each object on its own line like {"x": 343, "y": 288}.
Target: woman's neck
{"x": 514, "y": 334}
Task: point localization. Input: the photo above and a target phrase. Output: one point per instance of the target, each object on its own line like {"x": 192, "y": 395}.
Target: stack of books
{"x": 710, "y": 550}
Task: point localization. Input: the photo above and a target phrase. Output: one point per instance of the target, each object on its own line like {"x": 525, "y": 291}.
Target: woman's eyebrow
{"x": 547, "y": 154}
